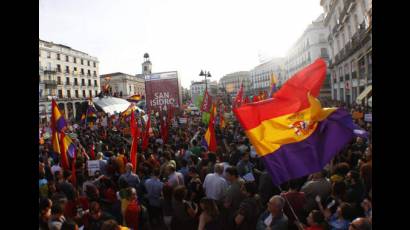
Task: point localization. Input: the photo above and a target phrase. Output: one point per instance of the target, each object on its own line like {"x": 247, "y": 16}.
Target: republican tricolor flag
{"x": 210, "y": 139}
{"x": 291, "y": 132}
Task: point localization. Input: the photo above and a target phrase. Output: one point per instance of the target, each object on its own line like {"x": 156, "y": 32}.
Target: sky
{"x": 220, "y": 36}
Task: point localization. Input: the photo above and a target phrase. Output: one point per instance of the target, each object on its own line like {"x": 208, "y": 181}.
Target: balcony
{"x": 50, "y": 84}
{"x": 49, "y": 71}
{"x": 348, "y": 4}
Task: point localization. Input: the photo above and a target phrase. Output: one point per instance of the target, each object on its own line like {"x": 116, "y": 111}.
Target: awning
{"x": 112, "y": 105}
{"x": 364, "y": 94}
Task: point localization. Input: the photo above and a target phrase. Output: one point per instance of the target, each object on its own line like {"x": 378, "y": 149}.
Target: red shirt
{"x": 132, "y": 214}
{"x": 298, "y": 201}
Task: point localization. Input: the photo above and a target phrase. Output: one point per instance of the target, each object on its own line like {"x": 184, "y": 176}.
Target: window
{"x": 82, "y": 62}
{"x": 82, "y": 82}
{"x": 95, "y": 65}
{"x": 75, "y": 60}
{"x": 95, "y": 73}
{"x": 67, "y": 59}
{"x": 59, "y": 68}
{"x": 82, "y": 71}
{"x": 68, "y": 93}
{"x": 48, "y": 55}
{"x": 130, "y": 89}
{"x": 67, "y": 69}
{"x": 323, "y": 52}
{"x": 88, "y": 63}
{"x": 60, "y": 93}
{"x": 84, "y": 93}
{"x": 95, "y": 83}
{"x": 96, "y": 93}
{"x": 67, "y": 81}
{"x": 75, "y": 81}
{"x": 75, "y": 70}
{"x": 76, "y": 94}
{"x": 91, "y": 93}
{"x": 89, "y": 82}
{"x": 58, "y": 56}
{"x": 145, "y": 68}
{"x": 88, "y": 72}
{"x": 59, "y": 80}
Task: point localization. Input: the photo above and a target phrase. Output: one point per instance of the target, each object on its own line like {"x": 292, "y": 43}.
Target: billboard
{"x": 163, "y": 90}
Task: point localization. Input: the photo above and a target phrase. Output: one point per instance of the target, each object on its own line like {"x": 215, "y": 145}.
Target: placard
{"x": 93, "y": 166}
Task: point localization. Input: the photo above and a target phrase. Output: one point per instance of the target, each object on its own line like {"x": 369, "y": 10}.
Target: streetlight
{"x": 205, "y": 74}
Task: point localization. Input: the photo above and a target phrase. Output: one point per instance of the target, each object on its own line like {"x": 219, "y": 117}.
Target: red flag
{"x": 73, "y": 171}
{"x": 255, "y": 98}
{"x": 146, "y": 134}
{"x": 63, "y": 149}
{"x": 239, "y": 97}
{"x": 92, "y": 153}
{"x": 134, "y": 145}
{"x": 246, "y": 100}
{"x": 206, "y": 102}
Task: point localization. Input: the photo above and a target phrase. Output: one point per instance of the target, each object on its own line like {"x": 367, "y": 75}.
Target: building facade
{"x": 311, "y": 45}
{"x": 125, "y": 85}
{"x": 231, "y": 83}
{"x": 261, "y": 75}
{"x": 69, "y": 75}
{"x": 197, "y": 88}
{"x": 350, "y": 40}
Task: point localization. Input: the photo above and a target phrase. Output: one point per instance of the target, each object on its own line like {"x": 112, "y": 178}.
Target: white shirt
{"x": 215, "y": 186}
{"x": 175, "y": 179}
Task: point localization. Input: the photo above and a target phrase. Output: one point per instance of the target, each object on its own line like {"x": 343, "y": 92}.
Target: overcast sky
{"x": 221, "y": 36}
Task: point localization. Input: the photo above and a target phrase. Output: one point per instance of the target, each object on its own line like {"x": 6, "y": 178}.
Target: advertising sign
{"x": 163, "y": 91}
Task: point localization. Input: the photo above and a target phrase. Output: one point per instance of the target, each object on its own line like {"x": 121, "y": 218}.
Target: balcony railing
{"x": 49, "y": 71}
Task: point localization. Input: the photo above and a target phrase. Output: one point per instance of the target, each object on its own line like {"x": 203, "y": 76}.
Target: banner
{"x": 163, "y": 91}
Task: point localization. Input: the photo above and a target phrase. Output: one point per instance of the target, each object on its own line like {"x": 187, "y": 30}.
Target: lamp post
{"x": 205, "y": 74}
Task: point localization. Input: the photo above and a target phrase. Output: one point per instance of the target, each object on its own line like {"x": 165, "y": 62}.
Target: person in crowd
{"x": 233, "y": 196}
{"x": 174, "y": 178}
{"x": 360, "y": 224}
{"x": 215, "y": 184}
{"x": 273, "y": 218}
{"x": 318, "y": 185}
{"x": 102, "y": 162}
{"x": 154, "y": 188}
{"x": 355, "y": 190}
{"x": 209, "y": 218}
{"x": 249, "y": 209}
{"x": 45, "y": 213}
{"x": 367, "y": 208}
{"x": 69, "y": 225}
{"x": 184, "y": 213}
{"x": 96, "y": 217}
{"x": 266, "y": 189}
{"x": 194, "y": 186}
{"x": 297, "y": 201}
{"x": 166, "y": 205}
{"x": 130, "y": 177}
{"x": 341, "y": 219}
{"x": 57, "y": 217}
{"x": 315, "y": 221}
{"x": 244, "y": 166}
{"x": 132, "y": 213}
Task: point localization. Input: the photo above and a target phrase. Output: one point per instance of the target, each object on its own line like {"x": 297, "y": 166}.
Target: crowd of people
{"x": 178, "y": 184}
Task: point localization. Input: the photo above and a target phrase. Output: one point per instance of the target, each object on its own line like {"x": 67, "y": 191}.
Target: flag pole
{"x": 290, "y": 206}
